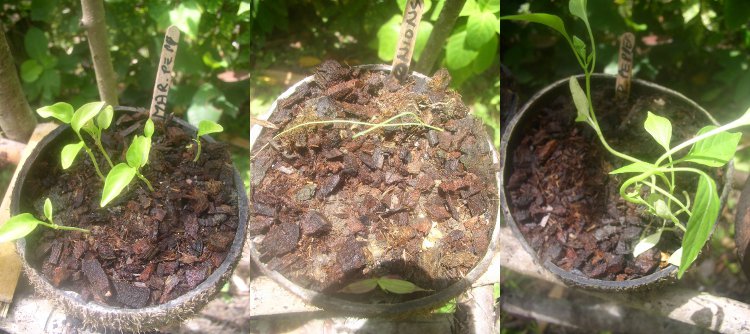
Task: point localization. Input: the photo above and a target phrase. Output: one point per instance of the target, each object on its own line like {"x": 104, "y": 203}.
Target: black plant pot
{"x": 519, "y": 125}
{"x": 127, "y": 319}
{"x": 331, "y": 303}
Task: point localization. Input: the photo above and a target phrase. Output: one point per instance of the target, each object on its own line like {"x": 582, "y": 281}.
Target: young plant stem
{"x": 145, "y": 180}
{"x": 51, "y": 224}
{"x": 198, "y": 150}
{"x": 98, "y": 142}
{"x": 91, "y": 156}
{"x": 726, "y": 127}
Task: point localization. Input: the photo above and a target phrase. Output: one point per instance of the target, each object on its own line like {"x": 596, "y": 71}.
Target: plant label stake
{"x": 406, "y": 39}
{"x": 164, "y": 71}
{"x": 624, "y": 66}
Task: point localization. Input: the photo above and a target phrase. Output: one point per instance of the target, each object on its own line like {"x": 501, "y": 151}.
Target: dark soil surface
{"x": 144, "y": 248}
{"x": 567, "y": 205}
{"x": 330, "y": 210}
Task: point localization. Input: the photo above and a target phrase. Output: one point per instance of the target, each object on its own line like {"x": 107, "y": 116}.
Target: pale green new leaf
{"x": 137, "y": 154}
{"x": 660, "y": 128}
{"x": 398, "y": 286}
{"x": 676, "y": 257}
{"x": 148, "y": 128}
{"x": 480, "y": 27}
{"x": 48, "y": 209}
{"x": 636, "y": 167}
{"x": 705, "y": 211}
{"x": 18, "y": 227}
{"x": 60, "y": 110}
{"x": 117, "y": 179}
{"x": 84, "y": 114}
{"x": 207, "y": 127}
{"x": 578, "y": 8}
{"x": 579, "y": 47}
{"x": 580, "y": 100}
{"x": 362, "y": 286}
{"x": 646, "y": 243}
{"x": 104, "y": 119}
{"x": 69, "y": 153}
{"x": 714, "y": 151}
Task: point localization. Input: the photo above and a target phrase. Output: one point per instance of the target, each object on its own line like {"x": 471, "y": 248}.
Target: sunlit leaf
{"x": 18, "y": 227}
{"x": 646, "y": 243}
{"x": 714, "y": 151}
{"x": 104, "y": 119}
{"x": 148, "y": 128}
{"x": 676, "y": 257}
{"x": 660, "y": 128}
{"x": 704, "y": 214}
{"x": 84, "y": 114}
{"x": 48, "y": 209}
{"x": 117, "y": 179}
{"x": 59, "y": 110}
{"x": 480, "y": 27}
{"x": 551, "y": 21}
{"x": 137, "y": 154}
{"x": 69, "y": 153}
{"x": 207, "y": 127}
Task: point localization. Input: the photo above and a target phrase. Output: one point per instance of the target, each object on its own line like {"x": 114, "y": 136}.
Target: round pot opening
{"x": 191, "y": 281}
{"x": 324, "y": 94}
{"x": 558, "y": 197}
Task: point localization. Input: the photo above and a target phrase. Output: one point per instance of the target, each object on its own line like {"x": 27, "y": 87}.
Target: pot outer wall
{"x": 362, "y": 309}
{"x": 742, "y": 229}
{"x": 125, "y": 319}
{"x": 518, "y": 127}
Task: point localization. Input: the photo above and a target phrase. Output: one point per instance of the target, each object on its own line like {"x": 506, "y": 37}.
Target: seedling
{"x": 21, "y": 225}
{"x": 205, "y": 127}
{"x": 388, "y": 284}
{"x": 370, "y": 126}
{"x": 712, "y": 146}
{"x": 92, "y": 118}
{"x": 120, "y": 176}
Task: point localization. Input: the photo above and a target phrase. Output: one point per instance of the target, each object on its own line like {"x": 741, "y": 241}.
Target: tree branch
{"x": 93, "y": 22}
{"x": 16, "y": 118}
{"x": 440, "y": 33}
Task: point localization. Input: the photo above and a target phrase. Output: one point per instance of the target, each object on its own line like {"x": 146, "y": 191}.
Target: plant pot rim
{"x": 150, "y": 317}
{"x": 330, "y": 303}
{"x": 663, "y": 275}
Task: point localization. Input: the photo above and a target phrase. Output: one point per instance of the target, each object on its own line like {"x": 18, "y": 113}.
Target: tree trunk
{"x": 440, "y": 32}
{"x": 93, "y": 22}
{"x": 16, "y": 118}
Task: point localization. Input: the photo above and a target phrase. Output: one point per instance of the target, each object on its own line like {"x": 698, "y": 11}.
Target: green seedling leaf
{"x": 662, "y": 210}
{"x": 208, "y": 127}
{"x": 18, "y": 227}
{"x": 69, "y": 153}
{"x": 137, "y": 154}
{"x": 579, "y": 47}
{"x": 104, "y": 119}
{"x": 117, "y": 179}
{"x": 636, "y": 167}
{"x": 660, "y": 128}
{"x": 59, "y": 110}
{"x": 363, "y": 286}
{"x": 580, "y": 100}
{"x": 398, "y": 286}
{"x": 714, "y": 151}
{"x": 480, "y": 28}
{"x": 578, "y": 8}
{"x": 646, "y": 243}
{"x": 551, "y": 21}
{"x": 148, "y": 128}
{"x": 84, "y": 114}
{"x": 705, "y": 212}
{"x": 48, "y": 209}
{"x": 676, "y": 257}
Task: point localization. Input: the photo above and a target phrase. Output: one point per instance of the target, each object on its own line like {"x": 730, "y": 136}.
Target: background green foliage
{"x": 292, "y": 36}
{"x": 52, "y": 54}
